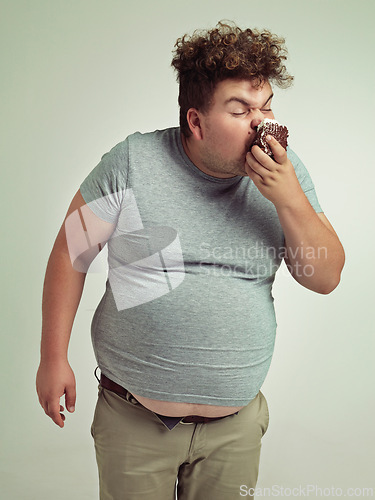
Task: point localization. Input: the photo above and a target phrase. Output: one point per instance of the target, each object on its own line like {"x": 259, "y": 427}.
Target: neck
{"x": 194, "y": 157}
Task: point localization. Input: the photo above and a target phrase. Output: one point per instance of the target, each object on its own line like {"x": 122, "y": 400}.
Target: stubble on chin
{"x": 242, "y": 172}
{"x": 218, "y": 165}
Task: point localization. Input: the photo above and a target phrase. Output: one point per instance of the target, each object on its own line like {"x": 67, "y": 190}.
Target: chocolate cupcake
{"x": 274, "y": 128}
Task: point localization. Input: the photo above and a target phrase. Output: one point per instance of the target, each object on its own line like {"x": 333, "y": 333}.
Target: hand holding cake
{"x": 269, "y": 167}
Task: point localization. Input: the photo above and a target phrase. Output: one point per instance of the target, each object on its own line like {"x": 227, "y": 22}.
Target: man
{"x": 196, "y": 226}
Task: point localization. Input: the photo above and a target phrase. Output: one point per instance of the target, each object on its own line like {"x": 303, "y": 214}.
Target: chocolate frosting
{"x": 279, "y": 132}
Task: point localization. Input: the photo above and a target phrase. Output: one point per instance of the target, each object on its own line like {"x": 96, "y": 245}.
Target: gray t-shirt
{"x": 188, "y": 313}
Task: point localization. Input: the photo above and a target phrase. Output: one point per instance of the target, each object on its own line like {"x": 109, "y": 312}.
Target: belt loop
{"x": 96, "y": 374}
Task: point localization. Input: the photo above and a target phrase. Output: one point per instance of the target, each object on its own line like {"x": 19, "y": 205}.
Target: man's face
{"x": 229, "y": 127}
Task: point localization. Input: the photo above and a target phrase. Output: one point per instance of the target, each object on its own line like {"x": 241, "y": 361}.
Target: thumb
{"x": 70, "y": 398}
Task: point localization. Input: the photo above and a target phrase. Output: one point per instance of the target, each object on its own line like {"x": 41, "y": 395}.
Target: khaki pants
{"x": 139, "y": 458}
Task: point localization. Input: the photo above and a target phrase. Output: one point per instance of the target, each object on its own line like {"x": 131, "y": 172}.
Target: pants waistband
{"x": 169, "y": 422}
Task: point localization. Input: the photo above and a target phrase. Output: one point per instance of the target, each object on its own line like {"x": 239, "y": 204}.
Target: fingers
{"x": 53, "y": 381}
{"x": 53, "y": 409}
{"x": 70, "y": 398}
{"x": 252, "y": 170}
{"x": 259, "y": 165}
{"x": 279, "y": 153}
{"x": 258, "y": 156}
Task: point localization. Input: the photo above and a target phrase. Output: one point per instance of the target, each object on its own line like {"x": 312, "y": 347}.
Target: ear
{"x": 194, "y": 121}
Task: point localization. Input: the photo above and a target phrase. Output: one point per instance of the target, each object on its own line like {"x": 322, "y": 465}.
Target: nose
{"x": 256, "y": 119}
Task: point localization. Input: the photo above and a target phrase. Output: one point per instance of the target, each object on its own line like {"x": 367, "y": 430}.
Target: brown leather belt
{"x": 190, "y": 419}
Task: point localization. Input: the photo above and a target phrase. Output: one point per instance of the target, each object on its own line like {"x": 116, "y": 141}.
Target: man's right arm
{"x": 62, "y": 291}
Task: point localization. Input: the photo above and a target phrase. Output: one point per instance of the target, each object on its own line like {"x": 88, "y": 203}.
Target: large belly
{"x": 172, "y": 409}
{"x": 202, "y": 350}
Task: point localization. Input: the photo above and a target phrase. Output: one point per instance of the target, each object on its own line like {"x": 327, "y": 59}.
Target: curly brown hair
{"x": 206, "y": 58}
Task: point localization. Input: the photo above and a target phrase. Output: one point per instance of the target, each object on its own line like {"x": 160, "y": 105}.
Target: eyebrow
{"x": 245, "y": 103}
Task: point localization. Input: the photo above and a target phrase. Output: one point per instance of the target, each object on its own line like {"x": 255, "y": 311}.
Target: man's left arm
{"x": 313, "y": 254}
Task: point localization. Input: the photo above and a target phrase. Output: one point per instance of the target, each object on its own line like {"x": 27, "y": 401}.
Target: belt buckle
{"x": 186, "y": 423}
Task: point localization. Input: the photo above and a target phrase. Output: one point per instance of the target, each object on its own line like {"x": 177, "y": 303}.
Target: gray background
{"x": 77, "y": 77}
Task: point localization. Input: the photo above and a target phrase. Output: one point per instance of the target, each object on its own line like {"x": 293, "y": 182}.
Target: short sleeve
{"x": 304, "y": 180}
{"x": 104, "y": 188}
